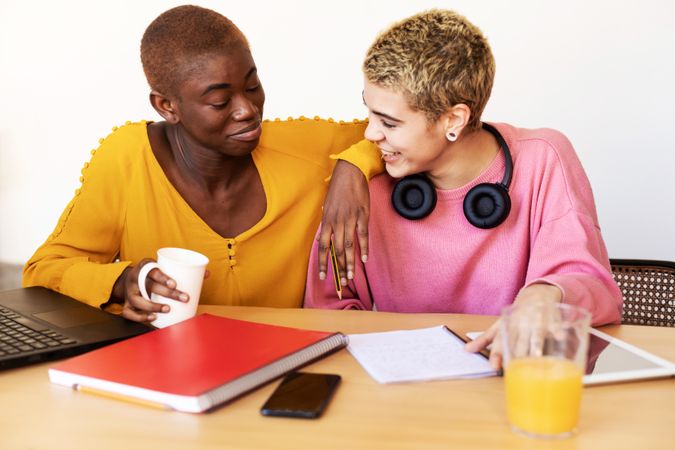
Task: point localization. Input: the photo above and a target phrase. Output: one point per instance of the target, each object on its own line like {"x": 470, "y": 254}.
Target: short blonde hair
{"x": 437, "y": 59}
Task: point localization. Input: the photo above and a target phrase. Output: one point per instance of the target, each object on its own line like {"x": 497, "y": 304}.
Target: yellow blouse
{"x": 126, "y": 209}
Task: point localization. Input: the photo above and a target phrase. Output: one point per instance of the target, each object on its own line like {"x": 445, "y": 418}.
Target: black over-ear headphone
{"x": 486, "y": 205}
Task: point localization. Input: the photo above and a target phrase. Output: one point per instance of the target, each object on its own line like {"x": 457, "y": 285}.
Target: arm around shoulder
{"x": 364, "y": 155}
{"x": 317, "y": 139}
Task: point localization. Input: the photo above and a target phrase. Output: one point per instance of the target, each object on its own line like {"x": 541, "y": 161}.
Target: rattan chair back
{"x": 648, "y": 289}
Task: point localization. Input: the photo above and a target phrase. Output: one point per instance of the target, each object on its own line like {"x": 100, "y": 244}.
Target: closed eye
{"x": 388, "y": 124}
{"x": 220, "y": 105}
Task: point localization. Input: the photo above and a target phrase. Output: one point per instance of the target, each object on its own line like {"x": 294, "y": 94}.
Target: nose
{"x": 373, "y": 132}
{"x": 243, "y": 108}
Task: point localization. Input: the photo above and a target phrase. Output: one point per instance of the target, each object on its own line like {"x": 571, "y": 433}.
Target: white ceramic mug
{"x": 186, "y": 268}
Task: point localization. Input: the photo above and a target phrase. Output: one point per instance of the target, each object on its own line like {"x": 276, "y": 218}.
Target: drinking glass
{"x": 544, "y": 350}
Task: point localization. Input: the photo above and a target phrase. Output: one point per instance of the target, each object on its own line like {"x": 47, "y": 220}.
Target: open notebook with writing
{"x": 197, "y": 364}
{"x": 417, "y": 355}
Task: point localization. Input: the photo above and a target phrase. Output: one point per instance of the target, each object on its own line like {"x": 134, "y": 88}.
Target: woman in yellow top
{"x": 212, "y": 177}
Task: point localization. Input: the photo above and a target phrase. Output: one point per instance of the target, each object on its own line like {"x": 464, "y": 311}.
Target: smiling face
{"x": 408, "y": 142}
{"x": 220, "y": 102}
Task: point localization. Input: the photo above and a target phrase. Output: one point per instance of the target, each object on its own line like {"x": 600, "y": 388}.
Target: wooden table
{"x": 363, "y": 414}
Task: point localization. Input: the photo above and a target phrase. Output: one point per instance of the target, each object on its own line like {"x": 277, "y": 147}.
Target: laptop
{"x": 37, "y": 324}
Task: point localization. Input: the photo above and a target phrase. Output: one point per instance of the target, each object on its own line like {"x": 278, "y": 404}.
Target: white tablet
{"x": 612, "y": 360}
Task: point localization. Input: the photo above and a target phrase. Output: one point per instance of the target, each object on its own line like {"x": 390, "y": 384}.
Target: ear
{"x": 165, "y": 106}
{"x": 456, "y": 118}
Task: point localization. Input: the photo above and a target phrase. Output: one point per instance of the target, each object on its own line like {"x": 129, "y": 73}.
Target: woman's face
{"x": 220, "y": 103}
{"x": 408, "y": 142}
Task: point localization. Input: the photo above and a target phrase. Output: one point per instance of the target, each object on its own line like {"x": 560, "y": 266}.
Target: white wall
{"x": 603, "y": 72}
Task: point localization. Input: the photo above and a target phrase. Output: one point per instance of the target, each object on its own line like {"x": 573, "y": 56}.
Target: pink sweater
{"x": 443, "y": 264}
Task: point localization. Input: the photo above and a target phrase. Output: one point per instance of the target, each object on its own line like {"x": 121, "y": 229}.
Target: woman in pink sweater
{"x": 500, "y": 214}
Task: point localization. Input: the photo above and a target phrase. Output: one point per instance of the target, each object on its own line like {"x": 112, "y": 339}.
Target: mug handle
{"x": 142, "y": 275}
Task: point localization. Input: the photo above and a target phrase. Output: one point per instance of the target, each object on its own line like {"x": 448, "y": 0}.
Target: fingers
{"x": 138, "y": 308}
{"x": 324, "y": 242}
{"x": 157, "y": 278}
{"x": 496, "y": 359}
{"x": 339, "y": 247}
{"x": 362, "y": 234}
{"x": 477, "y": 344}
{"x": 345, "y": 216}
{"x": 161, "y": 284}
{"x": 350, "y": 232}
{"x": 156, "y": 282}
{"x": 483, "y": 340}
{"x": 343, "y": 244}
{"x": 537, "y": 339}
{"x": 135, "y": 300}
{"x": 520, "y": 341}
{"x": 490, "y": 337}
{"x": 137, "y": 315}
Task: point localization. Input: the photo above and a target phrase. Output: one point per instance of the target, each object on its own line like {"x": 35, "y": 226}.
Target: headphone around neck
{"x": 486, "y": 205}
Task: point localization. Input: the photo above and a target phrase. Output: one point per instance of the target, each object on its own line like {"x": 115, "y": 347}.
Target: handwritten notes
{"x": 416, "y": 355}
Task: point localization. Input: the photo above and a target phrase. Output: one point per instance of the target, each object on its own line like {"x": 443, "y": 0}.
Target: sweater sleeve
{"x": 567, "y": 248}
{"x": 77, "y": 259}
{"x": 569, "y": 253}
{"x": 322, "y": 294}
{"x": 317, "y": 139}
{"x": 365, "y": 156}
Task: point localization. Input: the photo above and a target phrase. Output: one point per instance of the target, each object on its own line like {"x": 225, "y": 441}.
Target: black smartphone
{"x": 301, "y": 394}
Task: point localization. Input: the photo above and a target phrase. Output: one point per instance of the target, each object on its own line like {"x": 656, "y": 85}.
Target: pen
{"x": 336, "y": 270}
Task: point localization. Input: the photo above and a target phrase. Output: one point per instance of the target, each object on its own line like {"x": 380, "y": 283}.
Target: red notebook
{"x": 197, "y": 364}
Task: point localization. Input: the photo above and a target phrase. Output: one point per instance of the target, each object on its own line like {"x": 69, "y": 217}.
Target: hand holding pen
{"x": 344, "y": 221}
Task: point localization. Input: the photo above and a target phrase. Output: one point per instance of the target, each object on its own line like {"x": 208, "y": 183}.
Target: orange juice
{"x": 543, "y": 395}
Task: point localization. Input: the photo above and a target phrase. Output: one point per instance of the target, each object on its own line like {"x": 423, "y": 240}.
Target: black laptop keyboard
{"x": 19, "y": 334}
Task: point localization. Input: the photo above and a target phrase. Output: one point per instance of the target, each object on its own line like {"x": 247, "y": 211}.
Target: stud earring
{"x": 451, "y": 136}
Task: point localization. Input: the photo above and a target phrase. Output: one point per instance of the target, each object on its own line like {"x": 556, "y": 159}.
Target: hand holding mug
{"x": 186, "y": 268}
{"x": 167, "y": 291}
{"x": 135, "y": 306}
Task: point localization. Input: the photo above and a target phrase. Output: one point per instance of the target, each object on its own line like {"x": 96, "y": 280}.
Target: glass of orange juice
{"x": 545, "y": 348}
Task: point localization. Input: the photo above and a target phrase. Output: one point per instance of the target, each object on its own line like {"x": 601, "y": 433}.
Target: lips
{"x": 250, "y": 133}
{"x": 389, "y": 156}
